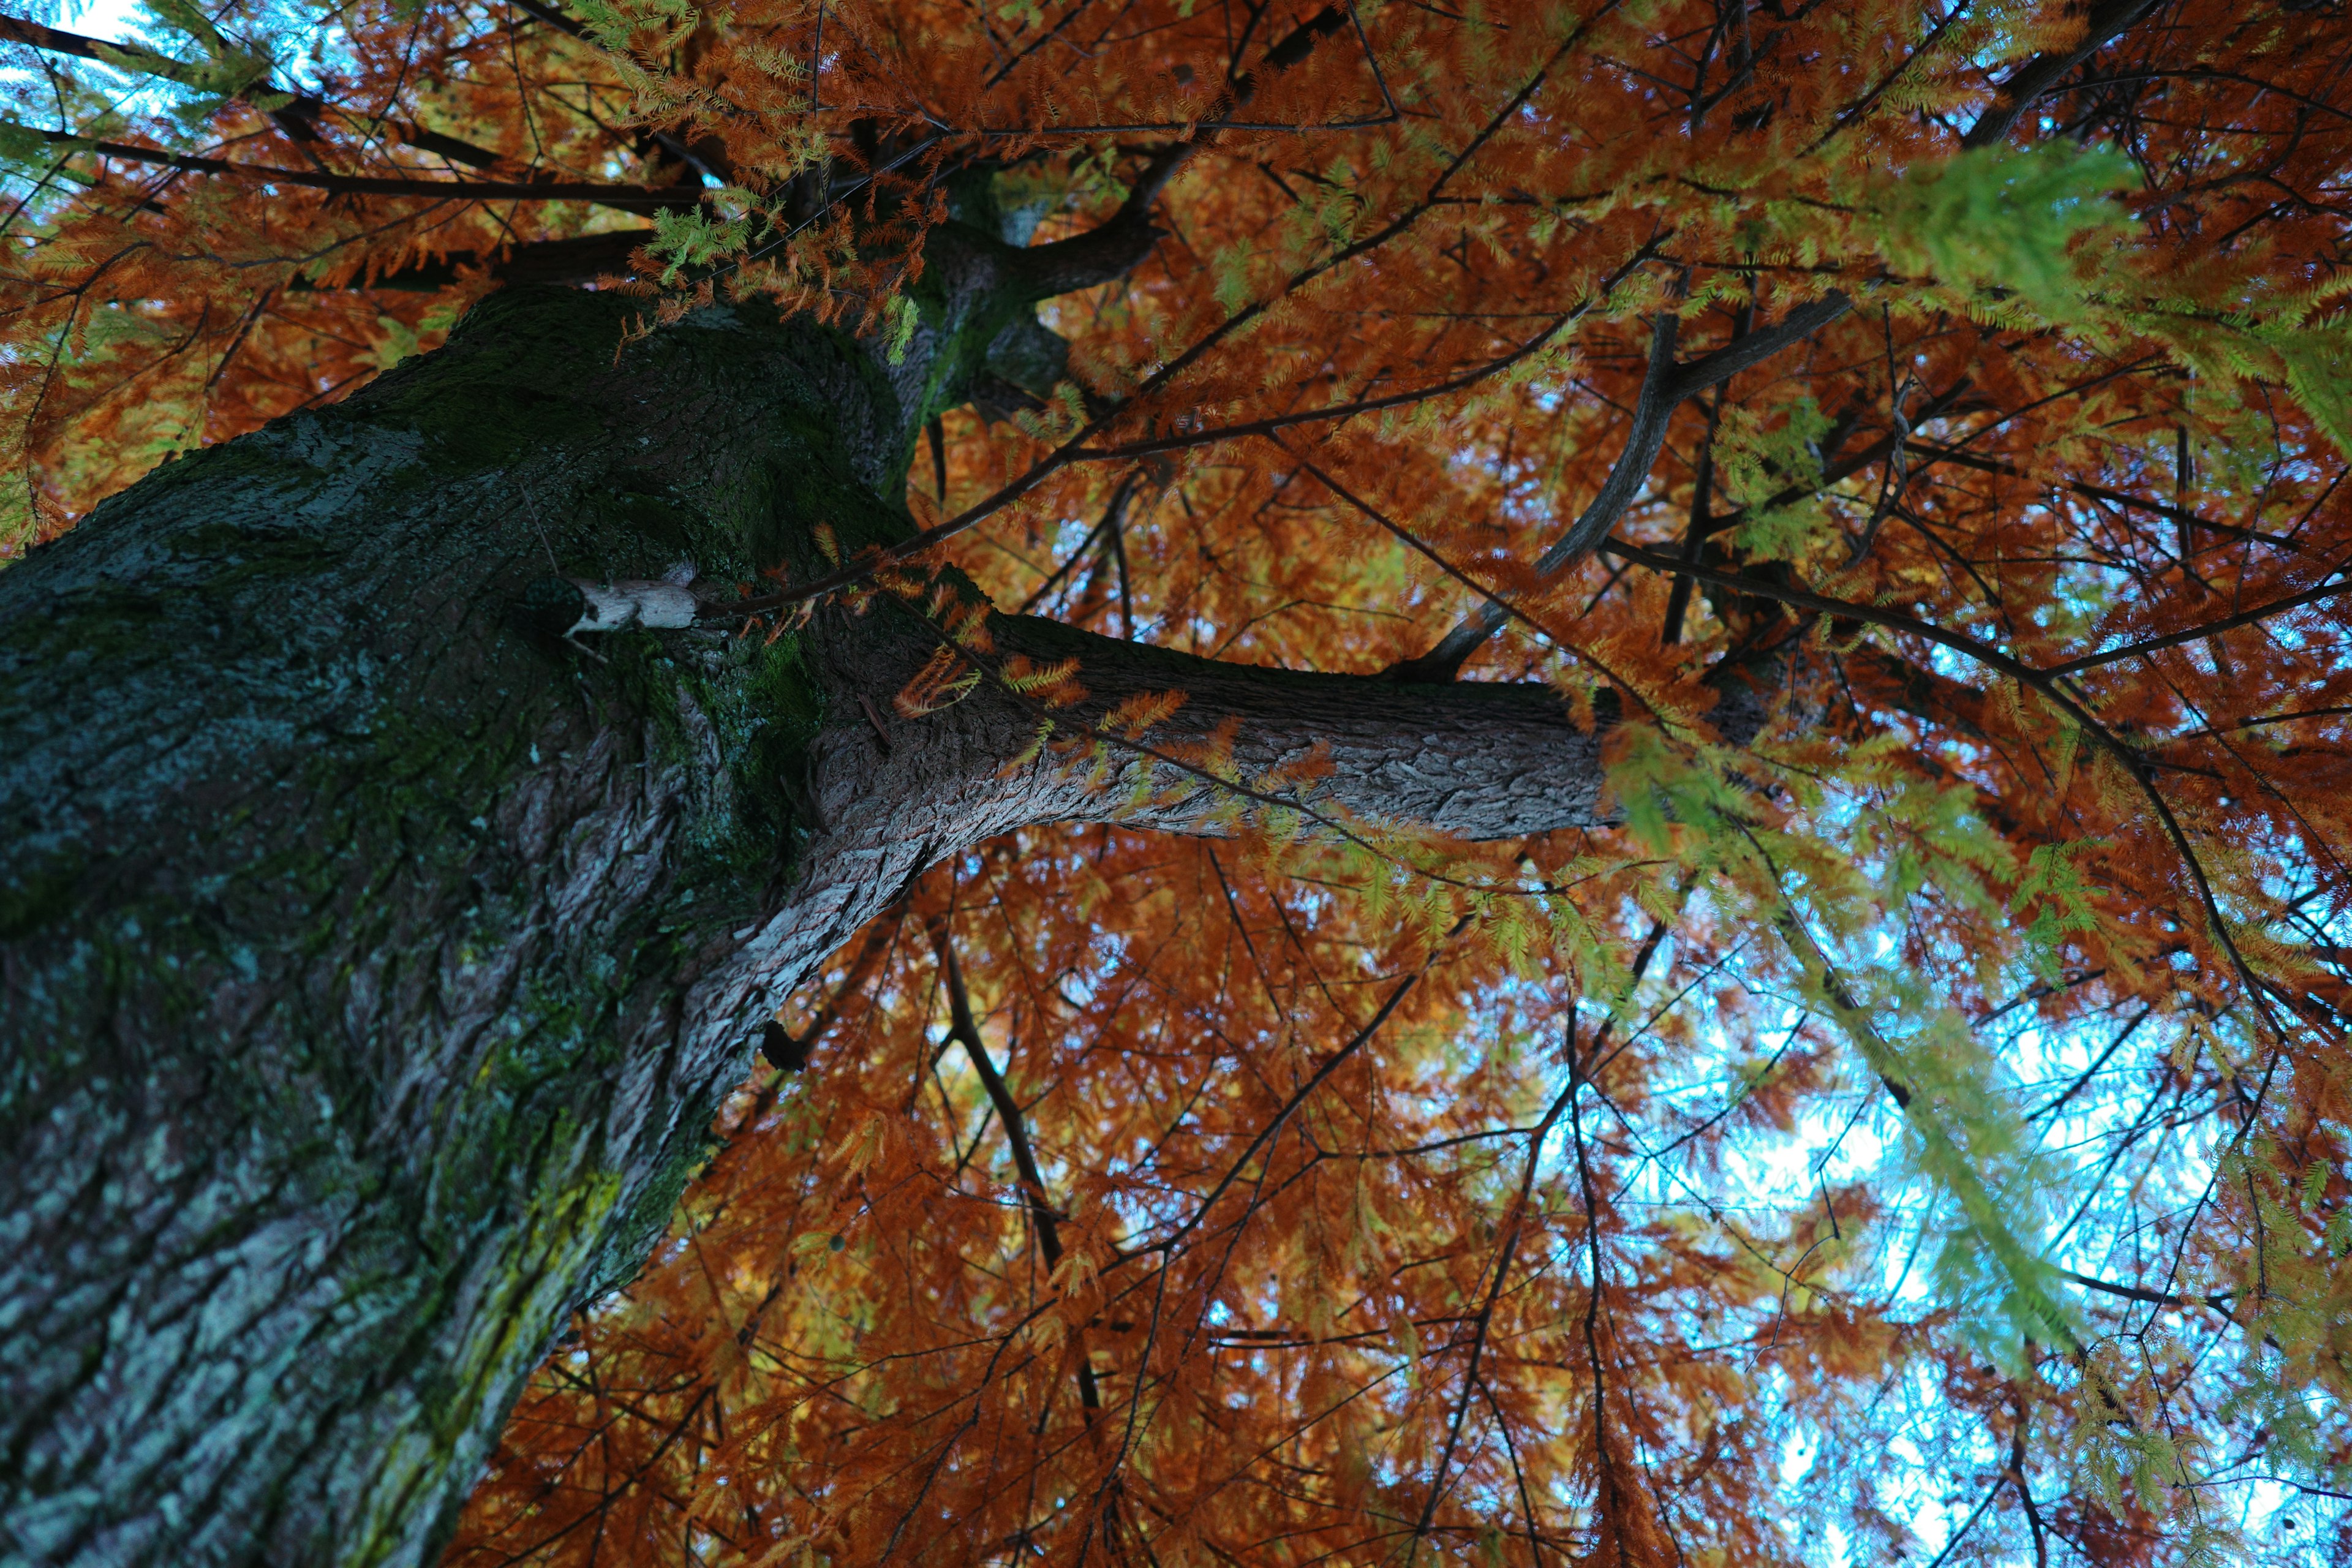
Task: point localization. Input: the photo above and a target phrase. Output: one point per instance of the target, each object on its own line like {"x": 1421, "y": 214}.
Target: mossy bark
{"x": 361, "y": 935}
{"x": 372, "y": 960}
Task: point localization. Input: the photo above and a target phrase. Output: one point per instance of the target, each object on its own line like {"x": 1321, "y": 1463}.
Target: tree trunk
{"x": 373, "y": 959}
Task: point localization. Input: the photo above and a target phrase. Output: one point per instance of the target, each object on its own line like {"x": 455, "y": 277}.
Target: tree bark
{"x": 373, "y": 958}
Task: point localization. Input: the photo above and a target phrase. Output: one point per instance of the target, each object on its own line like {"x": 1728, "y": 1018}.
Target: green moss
{"x": 108, "y": 624}
{"x": 43, "y": 896}
{"x": 809, "y": 477}
{"x": 755, "y": 700}
{"x": 504, "y": 394}
{"x": 637, "y": 1230}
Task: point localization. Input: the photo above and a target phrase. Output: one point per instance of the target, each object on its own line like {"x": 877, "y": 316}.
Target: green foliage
{"x": 690, "y": 237}
{"x": 24, "y": 151}
{"x": 2302, "y": 341}
{"x": 1759, "y": 453}
{"x": 903, "y": 317}
{"x": 1962, "y": 1136}
{"x": 615, "y": 24}
{"x": 2053, "y": 890}
{"x": 1998, "y": 224}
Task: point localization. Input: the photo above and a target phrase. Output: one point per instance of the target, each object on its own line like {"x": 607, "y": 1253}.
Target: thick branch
{"x": 2037, "y": 75}
{"x": 1479, "y": 760}
{"x": 1665, "y": 387}
{"x": 1115, "y": 247}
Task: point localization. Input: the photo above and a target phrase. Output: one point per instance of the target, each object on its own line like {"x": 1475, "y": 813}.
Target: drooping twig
{"x": 1611, "y": 1504}
{"x": 1483, "y": 1324}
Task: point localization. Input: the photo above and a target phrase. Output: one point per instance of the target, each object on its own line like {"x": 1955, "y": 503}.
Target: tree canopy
{"x": 1910, "y": 437}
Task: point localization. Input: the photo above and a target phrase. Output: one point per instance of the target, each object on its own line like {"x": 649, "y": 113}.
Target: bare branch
{"x": 2220, "y": 1300}
{"x": 624, "y": 198}
{"x": 122, "y": 57}
{"x": 2199, "y": 632}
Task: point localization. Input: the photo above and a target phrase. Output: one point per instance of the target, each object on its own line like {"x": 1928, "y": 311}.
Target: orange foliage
{"x": 1951, "y": 1086}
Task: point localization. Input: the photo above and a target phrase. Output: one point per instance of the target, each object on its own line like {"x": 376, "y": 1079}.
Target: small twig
{"x": 874, "y": 719}
{"x": 965, "y": 1031}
